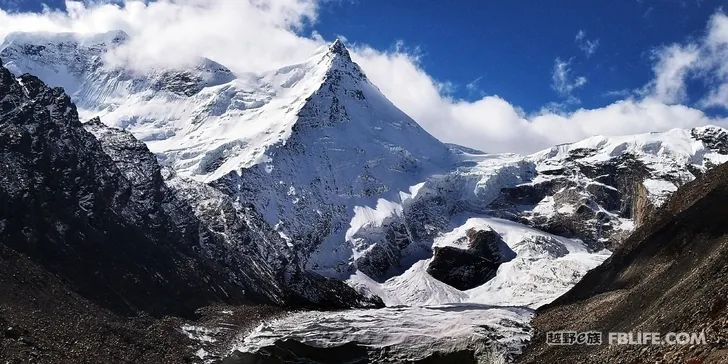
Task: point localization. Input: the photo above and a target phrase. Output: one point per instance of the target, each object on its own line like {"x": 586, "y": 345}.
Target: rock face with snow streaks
{"x": 89, "y": 203}
{"x": 69, "y": 207}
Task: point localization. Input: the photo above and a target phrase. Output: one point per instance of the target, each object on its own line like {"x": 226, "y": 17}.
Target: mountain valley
{"x": 189, "y": 199}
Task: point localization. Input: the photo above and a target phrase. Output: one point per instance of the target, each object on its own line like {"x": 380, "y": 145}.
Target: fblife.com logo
{"x": 624, "y": 338}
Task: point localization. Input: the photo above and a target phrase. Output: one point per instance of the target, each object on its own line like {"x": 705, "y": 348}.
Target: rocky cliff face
{"x": 115, "y": 236}
{"x": 669, "y": 276}
{"x": 642, "y": 207}
{"x": 598, "y": 189}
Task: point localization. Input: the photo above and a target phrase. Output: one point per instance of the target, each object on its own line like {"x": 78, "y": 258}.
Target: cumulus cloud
{"x": 253, "y": 35}
{"x": 588, "y": 46}
{"x": 495, "y": 125}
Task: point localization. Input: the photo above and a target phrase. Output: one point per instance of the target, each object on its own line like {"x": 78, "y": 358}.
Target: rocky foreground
{"x": 42, "y": 321}
{"x": 671, "y": 275}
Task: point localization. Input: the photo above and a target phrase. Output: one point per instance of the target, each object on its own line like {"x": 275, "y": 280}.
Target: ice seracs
{"x": 568, "y": 203}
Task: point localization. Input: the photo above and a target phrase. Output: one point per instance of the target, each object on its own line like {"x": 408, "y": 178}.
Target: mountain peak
{"x": 338, "y": 47}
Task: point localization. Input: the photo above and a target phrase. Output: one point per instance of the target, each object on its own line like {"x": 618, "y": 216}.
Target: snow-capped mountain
{"x": 310, "y": 168}
{"x": 89, "y": 193}
{"x": 304, "y": 144}
{"x": 346, "y": 184}
{"x": 609, "y": 180}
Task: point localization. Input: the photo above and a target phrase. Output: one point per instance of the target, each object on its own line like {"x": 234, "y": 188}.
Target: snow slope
{"x": 203, "y": 121}
{"x": 304, "y": 144}
{"x": 349, "y": 149}
{"x": 672, "y": 157}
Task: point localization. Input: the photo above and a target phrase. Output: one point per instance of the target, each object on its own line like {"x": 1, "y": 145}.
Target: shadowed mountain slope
{"x": 671, "y": 275}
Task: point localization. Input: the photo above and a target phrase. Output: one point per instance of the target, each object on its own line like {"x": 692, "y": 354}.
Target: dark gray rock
{"x": 69, "y": 207}
{"x": 668, "y": 276}
{"x": 471, "y": 267}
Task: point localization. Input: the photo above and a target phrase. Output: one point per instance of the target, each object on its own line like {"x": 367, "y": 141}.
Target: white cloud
{"x": 588, "y": 46}
{"x": 252, "y": 35}
{"x": 704, "y": 60}
{"x": 563, "y": 82}
{"x": 493, "y": 124}
{"x": 671, "y": 69}
{"x": 246, "y": 35}
{"x": 473, "y": 87}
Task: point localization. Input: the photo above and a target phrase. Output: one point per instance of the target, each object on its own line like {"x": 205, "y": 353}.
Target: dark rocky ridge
{"x": 43, "y": 321}
{"x": 162, "y": 210}
{"x": 671, "y": 275}
{"x": 70, "y": 209}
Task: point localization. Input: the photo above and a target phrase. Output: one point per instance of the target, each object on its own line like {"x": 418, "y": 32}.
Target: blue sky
{"x": 509, "y": 48}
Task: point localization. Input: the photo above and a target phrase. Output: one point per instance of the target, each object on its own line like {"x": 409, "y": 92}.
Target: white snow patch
{"x": 659, "y": 190}
{"x": 201, "y": 353}
{"x": 199, "y": 333}
{"x": 365, "y": 216}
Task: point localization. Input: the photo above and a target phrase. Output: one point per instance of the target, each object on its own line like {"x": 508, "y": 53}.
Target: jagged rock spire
{"x": 338, "y": 47}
